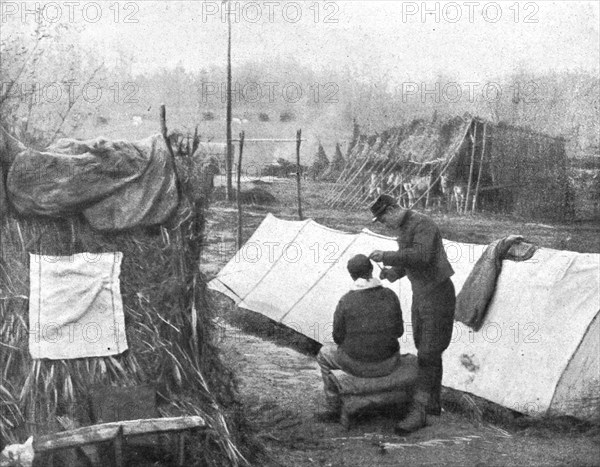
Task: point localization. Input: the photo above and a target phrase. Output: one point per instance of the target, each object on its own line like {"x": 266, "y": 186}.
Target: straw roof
{"x": 519, "y": 167}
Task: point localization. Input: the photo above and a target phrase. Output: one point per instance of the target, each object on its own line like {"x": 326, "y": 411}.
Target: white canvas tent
{"x": 537, "y": 352}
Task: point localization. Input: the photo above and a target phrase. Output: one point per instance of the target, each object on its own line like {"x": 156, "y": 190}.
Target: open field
{"x": 325, "y": 128}
{"x": 281, "y": 388}
{"x": 480, "y": 228}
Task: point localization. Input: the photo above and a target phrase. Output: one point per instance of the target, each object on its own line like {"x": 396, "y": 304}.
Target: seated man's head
{"x": 386, "y": 210}
{"x": 360, "y": 267}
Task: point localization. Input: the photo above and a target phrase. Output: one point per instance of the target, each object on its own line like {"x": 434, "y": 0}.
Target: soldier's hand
{"x": 376, "y": 256}
{"x": 389, "y": 274}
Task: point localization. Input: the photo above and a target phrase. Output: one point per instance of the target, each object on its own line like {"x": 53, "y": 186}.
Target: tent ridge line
{"x": 230, "y": 289}
{"x": 319, "y": 278}
{"x": 306, "y": 222}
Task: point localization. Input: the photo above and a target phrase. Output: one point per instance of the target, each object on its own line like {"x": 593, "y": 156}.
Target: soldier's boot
{"x": 434, "y": 406}
{"x": 416, "y": 417}
{"x": 434, "y": 402}
{"x": 414, "y": 420}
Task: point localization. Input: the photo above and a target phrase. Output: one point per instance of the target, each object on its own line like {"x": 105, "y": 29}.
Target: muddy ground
{"x": 281, "y": 389}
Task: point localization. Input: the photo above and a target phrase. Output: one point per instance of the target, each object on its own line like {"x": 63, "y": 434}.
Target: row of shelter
{"x": 504, "y": 168}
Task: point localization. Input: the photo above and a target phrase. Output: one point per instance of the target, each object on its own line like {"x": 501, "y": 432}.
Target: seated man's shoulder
{"x": 379, "y": 292}
{"x": 352, "y": 295}
{"x": 348, "y": 296}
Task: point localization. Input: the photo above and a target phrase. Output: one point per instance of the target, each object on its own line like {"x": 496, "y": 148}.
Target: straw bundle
{"x": 168, "y": 327}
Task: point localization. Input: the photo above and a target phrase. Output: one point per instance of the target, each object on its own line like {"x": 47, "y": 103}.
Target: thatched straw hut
{"x": 502, "y": 167}
{"x": 168, "y": 326}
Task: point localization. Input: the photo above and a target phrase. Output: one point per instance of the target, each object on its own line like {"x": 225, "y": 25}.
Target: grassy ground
{"x": 280, "y": 384}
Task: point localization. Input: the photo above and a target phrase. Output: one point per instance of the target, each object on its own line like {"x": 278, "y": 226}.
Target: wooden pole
{"x": 298, "y": 171}
{"x": 118, "y": 448}
{"x": 181, "y": 448}
{"x": 429, "y": 186}
{"x": 471, "y": 168}
{"x": 239, "y": 193}
{"x": 353, "y": 160}
{"x": 163, "y": 127}
{"x": 341, "y": 176}
{"x": 480, "y": 169}
{"x": 229, "y": 155}
{"x": 381, "y": 168}
{"x": 339, "y": 196}
{"x": 339, "y": 184}
{"x": 347, "y": 186}
{"x": 163, "y": 130}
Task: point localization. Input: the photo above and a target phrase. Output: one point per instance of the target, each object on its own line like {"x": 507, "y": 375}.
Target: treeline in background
{"x": 53, "y": 87}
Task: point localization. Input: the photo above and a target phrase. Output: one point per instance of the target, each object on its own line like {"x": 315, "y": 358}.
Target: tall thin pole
{"x": 239, "y": 193}
{"x": 229, "y": 157}
{"x": 298, "y": 171}
{"x": 164, "y": 132}
{"x": 480, "y": 169}
{"x": 466, "y": 208}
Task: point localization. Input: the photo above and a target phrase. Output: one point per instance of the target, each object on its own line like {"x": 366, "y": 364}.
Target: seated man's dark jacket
{"x": 421, "y": 255}
{"x": 367, "y": 324}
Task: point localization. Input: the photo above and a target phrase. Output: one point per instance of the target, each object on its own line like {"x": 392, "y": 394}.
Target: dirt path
{"x": 281, "y": 389}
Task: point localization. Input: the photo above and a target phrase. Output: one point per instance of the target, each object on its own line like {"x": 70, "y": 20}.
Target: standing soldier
{"x": 422, "y": 258}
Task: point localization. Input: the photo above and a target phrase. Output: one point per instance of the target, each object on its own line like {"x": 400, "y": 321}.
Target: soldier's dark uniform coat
{"x": 422, "y": 258}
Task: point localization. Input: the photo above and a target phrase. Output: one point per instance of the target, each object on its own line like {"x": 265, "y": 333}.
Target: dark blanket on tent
{"x": 477, "y": 292}
{"x": 116, "y": 184}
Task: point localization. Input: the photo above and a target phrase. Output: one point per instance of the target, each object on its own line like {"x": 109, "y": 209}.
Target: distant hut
{"x": 502, "y": 168}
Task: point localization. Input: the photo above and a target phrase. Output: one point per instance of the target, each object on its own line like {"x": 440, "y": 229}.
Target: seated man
{"x": 366, "y": 326}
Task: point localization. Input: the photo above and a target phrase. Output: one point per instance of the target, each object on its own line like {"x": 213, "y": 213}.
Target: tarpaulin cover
{"x": 536, "y": 352}
{"x": 116, "y": 184}
{"x": 75, "y": 306}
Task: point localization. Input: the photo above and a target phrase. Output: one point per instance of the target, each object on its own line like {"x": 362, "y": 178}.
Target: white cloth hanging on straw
{"x": 75, "y": 306}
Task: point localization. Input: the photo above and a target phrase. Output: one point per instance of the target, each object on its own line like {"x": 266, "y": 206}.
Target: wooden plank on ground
{"x": 108, "y": 431}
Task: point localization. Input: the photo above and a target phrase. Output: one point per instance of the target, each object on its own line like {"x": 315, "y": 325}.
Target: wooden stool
{"x": 358, "y": 394}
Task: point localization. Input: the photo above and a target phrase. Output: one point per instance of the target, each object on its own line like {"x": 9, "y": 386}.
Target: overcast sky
{"x": 473, "y": 40}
